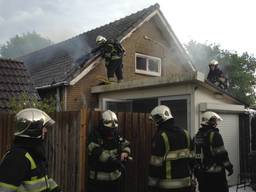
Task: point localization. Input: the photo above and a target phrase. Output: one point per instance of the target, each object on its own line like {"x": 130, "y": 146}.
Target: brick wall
{"x": 79, "y": 95}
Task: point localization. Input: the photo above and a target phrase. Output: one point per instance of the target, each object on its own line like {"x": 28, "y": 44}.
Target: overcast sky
{"x": 230, "y": 23}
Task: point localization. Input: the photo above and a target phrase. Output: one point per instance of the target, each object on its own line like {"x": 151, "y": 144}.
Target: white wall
{"x": 229, "y": 129}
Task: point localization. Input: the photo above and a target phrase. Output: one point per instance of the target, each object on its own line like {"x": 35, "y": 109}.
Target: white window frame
{"x": 147, "y": 72}
{"x": 180, "y": 97}
{"x": 105, "y": 100}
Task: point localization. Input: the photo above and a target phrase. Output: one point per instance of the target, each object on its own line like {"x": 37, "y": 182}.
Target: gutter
{"x": 53, "y": 85}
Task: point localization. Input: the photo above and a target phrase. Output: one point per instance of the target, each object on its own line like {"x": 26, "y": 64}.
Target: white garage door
{"x": 229, "y": 129}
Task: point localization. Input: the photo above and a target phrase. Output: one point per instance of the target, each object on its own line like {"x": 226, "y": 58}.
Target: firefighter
{"x": 216, "y": 76}
{"x": 24, "y": 166}
{"x": 169, "y": 167}
{"x": 107, "y": 153}
{"x": 113, "y": 53}
{"x": 211, "y": 156}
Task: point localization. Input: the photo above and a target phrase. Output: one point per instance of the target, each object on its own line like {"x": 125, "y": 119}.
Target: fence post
{"x": 82, "y": 149}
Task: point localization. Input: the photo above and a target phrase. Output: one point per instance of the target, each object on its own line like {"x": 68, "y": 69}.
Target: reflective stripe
{"x": 219, "y": 150}
{"x": 4, "y": 187}
{"x": 226, "y": 164}
{"x": 214, "y": 169}
{"x": 115, "y": 57}
{"x": 4, "y": 157}
{"x": 126, "y": 149}
{"x": 167, "y": 149}
{"x": 169, "y": 183}
{"x": 92, "y": 146}
{"x": 106, "y": 154}
{"x": 188, "y": 137}
{"x": 32, "y": 162}
{"x": 156, "y": 160}
{"x": 152, "y": 181}
{"x": 108, "y": 55}
{"x": 171, "y": 155}
{"x": 178, "y": 154}
{"x": 36, "y": 185}
{"x": 52, "y": 183}
{"x": 211, "y": 140}
{"x": 105, "y": 176}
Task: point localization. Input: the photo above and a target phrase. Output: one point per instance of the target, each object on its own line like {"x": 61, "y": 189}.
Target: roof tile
{"x": 61, "y": 61}
{"x": 14, "y": 79}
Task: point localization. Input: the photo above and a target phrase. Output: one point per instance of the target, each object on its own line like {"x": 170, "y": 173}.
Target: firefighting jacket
{"x": 170, "y": 158}
{"x": 210, "y": 152}
{"x": 21, "y": 171}
{"x": 214, "y": 75}
{"x": 104, "y": 156}
{"x": 112, "y": 51}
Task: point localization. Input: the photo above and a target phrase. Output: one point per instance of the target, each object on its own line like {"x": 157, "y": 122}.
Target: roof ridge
{"x": 152, "y": 7}
{"x": 10, "y": 59}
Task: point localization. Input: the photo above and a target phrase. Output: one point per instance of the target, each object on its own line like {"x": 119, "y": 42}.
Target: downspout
{"x": 65, "y": 98}
{"x": 58, "y": 106}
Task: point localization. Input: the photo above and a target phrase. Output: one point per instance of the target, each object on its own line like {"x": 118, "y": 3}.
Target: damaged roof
{"x": 14, "y": 80}
{"x": 59, "y": 63}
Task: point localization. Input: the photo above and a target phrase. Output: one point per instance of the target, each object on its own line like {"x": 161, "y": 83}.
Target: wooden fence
{"x": 67, "y": 146}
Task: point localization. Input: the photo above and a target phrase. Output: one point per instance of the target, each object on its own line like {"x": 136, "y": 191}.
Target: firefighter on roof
{"x": 113, "y": 53}
{"x": 216, "y": 76}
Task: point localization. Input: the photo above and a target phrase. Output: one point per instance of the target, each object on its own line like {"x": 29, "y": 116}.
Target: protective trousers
{"x": 187, "y": 189}
{"x": 105, "y": 186}
{"x": 212, "y": 182}
{"x": 115, "y": 67}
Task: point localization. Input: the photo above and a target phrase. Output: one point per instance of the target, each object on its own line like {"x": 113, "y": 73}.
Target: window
{"x": 148, "y": 65}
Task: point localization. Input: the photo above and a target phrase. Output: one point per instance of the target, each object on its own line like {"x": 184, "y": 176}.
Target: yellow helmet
{"x": 30, "y": 122}
{"x": 100, "y": 39}
{"x": 214, "y": 62}
{"x": 109, "y": 119}
{"x": 160, "y": 114}
{"x": 206, "y": 116}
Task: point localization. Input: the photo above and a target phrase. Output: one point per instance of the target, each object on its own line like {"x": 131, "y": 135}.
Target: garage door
{"x": 229, "y": 128}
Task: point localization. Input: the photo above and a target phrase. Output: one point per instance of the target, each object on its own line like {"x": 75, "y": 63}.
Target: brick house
{"x": 14, "y": 80}
{"x": 157, "y": 70}
{"x": 69, "y": 69}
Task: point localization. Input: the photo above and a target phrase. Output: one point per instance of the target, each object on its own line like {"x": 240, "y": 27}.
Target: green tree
{"x": 240, "y": 69}
{"x": 23, "y": 44}
{"x": 24, "y": 100}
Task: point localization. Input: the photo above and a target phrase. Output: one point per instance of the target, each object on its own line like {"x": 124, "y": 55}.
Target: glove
{"x": 114, "y": 159}
{"x": 230, "y": 171}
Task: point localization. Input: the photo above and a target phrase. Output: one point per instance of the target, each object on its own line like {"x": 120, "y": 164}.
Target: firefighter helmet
{"x": 160, "y": 114}
{"x": 100, "y": 39}
{"x": 30, "y": 122}
{"x": 109, "y": 119}
{"x": 207, "y": 116}
{"x": 214, "y": 62}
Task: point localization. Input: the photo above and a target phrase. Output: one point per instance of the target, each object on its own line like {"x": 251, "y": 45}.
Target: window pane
{"x": 141, "y": 63}
{"x": 153, "y": 65}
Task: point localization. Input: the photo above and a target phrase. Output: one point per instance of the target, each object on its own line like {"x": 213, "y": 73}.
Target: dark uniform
{"x": 170, "y": 159}
{"x": 105, "y": 166}
{"x": 24, "y": 168}
{"x": 217, "y": 77}
{"x": 212, "y": 160}
{"x": 113, "y": 53}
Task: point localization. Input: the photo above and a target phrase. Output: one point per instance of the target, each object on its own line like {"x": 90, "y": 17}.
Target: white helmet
{"x": 100, "y": 39}
{"x": 160, "y": 114}
{"x": 30, "y": 122}
{"x": 206, "y": 116}
{"x": 214, "y": 62}
{"x": 110, "y": 119}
